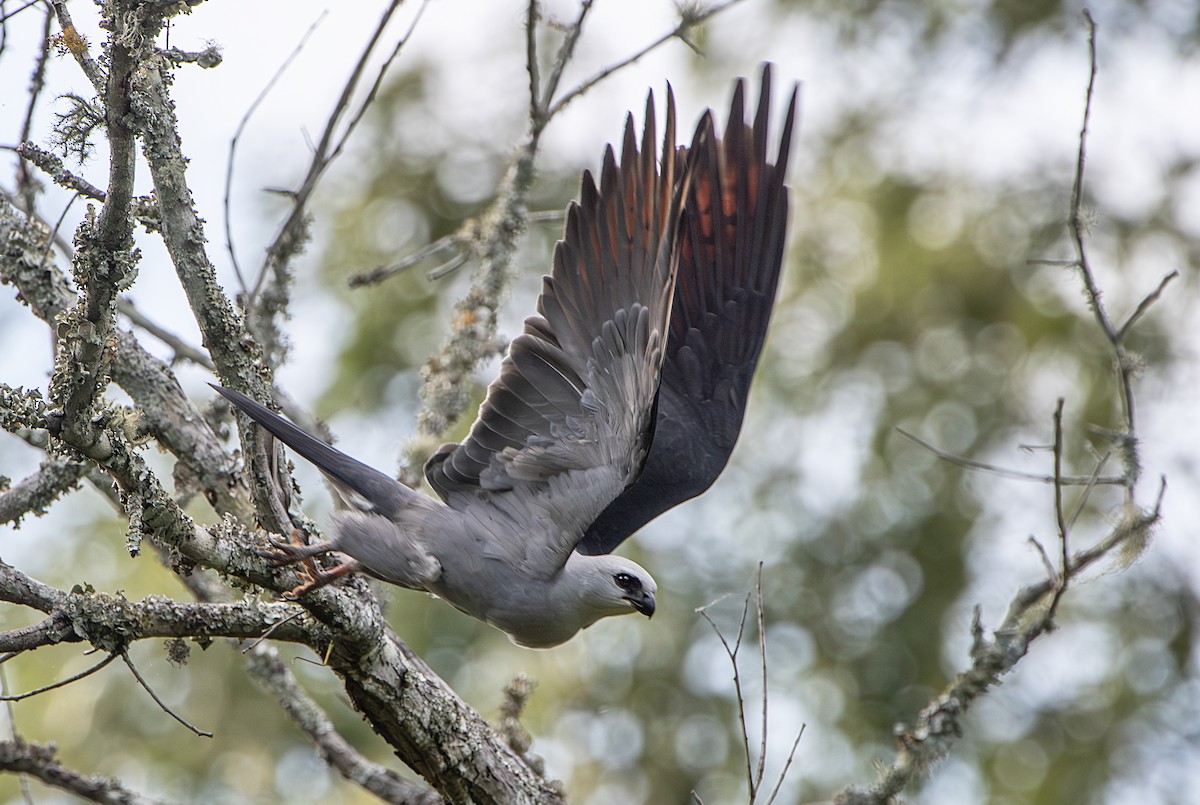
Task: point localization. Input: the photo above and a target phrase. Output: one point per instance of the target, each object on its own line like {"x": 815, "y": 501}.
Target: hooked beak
{"x": 643, "y": 603}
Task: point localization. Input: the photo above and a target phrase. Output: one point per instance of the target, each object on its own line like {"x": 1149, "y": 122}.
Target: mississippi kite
{"x": 622, "y": 398}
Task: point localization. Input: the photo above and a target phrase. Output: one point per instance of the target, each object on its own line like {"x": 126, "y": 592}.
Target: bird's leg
{"x": 282, "y": 554}
{"x": 319, "y": 578}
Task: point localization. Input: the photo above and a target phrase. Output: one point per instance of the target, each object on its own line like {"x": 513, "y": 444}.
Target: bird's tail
{"x": 361, "y": 486}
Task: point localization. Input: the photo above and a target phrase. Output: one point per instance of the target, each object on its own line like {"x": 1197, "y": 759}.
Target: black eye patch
{"x": 626, "y": 582}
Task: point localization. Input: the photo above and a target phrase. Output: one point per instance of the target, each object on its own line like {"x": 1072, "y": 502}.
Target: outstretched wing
{"x": 566, "y": 426}
{"x": 730, "y": 248}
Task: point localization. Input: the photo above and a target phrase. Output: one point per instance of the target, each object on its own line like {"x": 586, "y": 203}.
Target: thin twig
{"x": 327, "y": 149}
{"x": 454, "y": 239}
{"x": 687, "y": 21}
{"x": 22, "y": 778}
{"x": 732, "y": 652}
{"x": 787, "y": 765}
{"x": 25, "y": 186}
{"x": 181, "y": 348}
{"x": 16, "y": 697}
{"x": 1087, "y": 490}
{"x": 762, "y": 654}
{"x": 1145, "y": 304}
{"x": 237, "y": 136}
{"x": 1051, "y": 572}
{"x": 18, "y": 10}
{"x": 1060, "y": 516}
{"x": 1121, "y": 361}
{"x": 158, "y": 701}
{"x": 565, "y": 52}
{"x": 265, "y": 635}
{"x": 1004, "y": 472}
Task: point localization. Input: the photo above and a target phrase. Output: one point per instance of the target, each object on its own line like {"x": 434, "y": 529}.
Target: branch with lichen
{"x": 110, "y": 623}
{"x": 36, "y": 760}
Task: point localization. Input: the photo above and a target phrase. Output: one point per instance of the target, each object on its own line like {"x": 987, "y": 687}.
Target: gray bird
{"x": 622, "y": 398}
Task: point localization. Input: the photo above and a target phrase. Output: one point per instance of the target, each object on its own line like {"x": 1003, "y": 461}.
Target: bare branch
{"x": 1004, "y": 472}
{"x": 77, "y": 46}
{"x": 1032, "y": 609}
{"x": 1145, "y": 304}
{"x": 163, "y": 705}
{"x": 26, "y": 189}
{"x": 787, "y": 765}
{"x": 939, "y": 725}
{"x": 465, "y": 234}
{"x": 237, "y": 136}
{"x": 762, "y": 655}
{"x": 275, "y": 677}
{"x": 688, "y": 20}
{"x": 1060, "y": 587}
{"x": 269, "y": 294}
{"x": 565, "y": 52}
{"x": 532, "y": 16}
{"x": 38, "y": 761}
{"x": 53, "y": 167}
{"x": 732, "y": 652}
{"x": 182, "y": 349}
{"x": 16, "y": 697}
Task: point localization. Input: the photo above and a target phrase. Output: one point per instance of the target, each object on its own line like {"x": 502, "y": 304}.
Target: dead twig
{"x": 755, "y": 771}
{"x": 62, "y": 683}
{"x": 1005, "y": 472}
{"x": 163, "y": 705}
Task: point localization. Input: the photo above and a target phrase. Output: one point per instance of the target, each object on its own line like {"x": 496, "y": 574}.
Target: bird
{"x": 621, "y": 398}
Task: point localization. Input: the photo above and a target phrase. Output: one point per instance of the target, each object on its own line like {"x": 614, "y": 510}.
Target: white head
{"x": 610, "y": 585}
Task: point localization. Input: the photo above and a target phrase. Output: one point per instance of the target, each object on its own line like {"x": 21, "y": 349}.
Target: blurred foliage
{"x": 908, "y": 302}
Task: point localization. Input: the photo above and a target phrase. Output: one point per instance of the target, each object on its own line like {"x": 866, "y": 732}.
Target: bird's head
{"x": 613, "y": 585}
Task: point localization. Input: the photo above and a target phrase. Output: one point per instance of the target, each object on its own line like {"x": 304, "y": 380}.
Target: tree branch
{"x": 38, "y": 761}
{"x": 275, "y": 677}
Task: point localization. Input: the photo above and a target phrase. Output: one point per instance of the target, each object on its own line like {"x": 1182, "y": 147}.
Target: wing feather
{"x": 566, "y": 425}
{"x": 730, "y": 245}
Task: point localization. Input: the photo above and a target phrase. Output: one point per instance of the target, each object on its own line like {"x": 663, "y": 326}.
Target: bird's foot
{"x": 319, "y": 578}
{"x": 281, "y": 554}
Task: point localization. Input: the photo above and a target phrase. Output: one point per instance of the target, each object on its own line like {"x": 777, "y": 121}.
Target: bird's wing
{"x": 730, "y": 246}
{"x": 566, "y": 425}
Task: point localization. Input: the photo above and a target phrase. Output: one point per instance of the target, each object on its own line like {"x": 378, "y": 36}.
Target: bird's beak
{"x": 643, "y": 603}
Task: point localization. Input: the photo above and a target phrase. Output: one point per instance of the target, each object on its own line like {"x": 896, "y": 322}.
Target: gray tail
{"x": 382, "y": 493}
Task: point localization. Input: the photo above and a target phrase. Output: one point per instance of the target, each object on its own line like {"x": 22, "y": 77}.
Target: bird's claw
{"x": 281, "y": 554}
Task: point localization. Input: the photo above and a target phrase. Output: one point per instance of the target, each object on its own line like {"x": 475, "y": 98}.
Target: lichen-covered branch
{"x": 33, "y": 494}
{"x": 38, "y": 761}
{"x": 112, "y": 622}
{"x": 168, "y": 415}
{"x": 273, "y": 675}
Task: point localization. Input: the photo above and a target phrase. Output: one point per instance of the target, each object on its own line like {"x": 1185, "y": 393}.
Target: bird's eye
{"x": 626, "y": 581}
